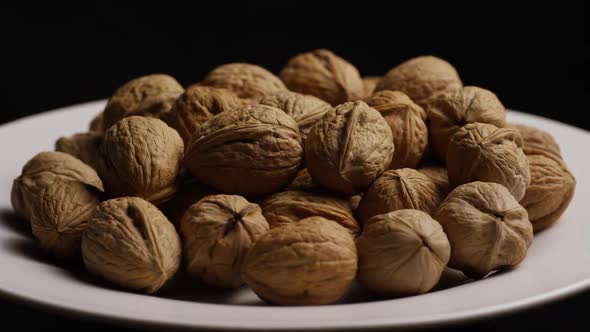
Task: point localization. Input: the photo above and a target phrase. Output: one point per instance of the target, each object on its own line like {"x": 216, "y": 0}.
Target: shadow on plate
{"x": 11, "y": 221}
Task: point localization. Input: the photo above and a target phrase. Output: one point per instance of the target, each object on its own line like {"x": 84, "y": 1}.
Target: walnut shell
{"x": 218, "y": 232}
{"x": 403, "y": 188}
{"x": 305, "y": 109}
{"x": 302, "y": 181}
{"x": 487, "y": 228}
{"x": 96, "y": 124}
{"x": 41, "y": 171}
{"x": 349, "y": 148}
{"x": 439, "y": 175}
{"x": 150, "y": 95}
{"x": 537, "y": 141}
{"x": 421, "y": 78}
{"x": 406, "y": 120}
{"x": 450, "y": 111}
{"x": 369, "y": 84}
{"x": 288, "y": 207}
{"x": 551, "y": 190}
{"x": 188, "y": 194}
{"x": 248, "y": 81}
{"x": 129, "y": 242}
{"x": 251, "y": 151}
{"x": 196, "y": 105}
{"x": 325, "y": 75}
{"x": 309, "y": 262}
{"x": 483, "y": 152}
{"x": 59, "y": 215}
{"x": 141, "y": 157}
{"x": 83, "y": 146}
{"x": 402, "y": 253}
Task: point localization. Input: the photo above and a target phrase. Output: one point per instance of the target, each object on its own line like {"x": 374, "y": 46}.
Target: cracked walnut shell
{"x": 129, "y": 242}
{"x": 402, "y": 253}
{"x": 450, "y": 111}
{"x": 487, "y": 228}
{"x": 218, "y": 232}
{"x": 289, "y": 207}
{"x": 251, "y": 151}
{"x": 150, "y": 95}
{"x": 83, "y": 146}
{"x": 537, "y": 141}
{"x": 141, "y": 157}
{"x": 406, "y": 120}
{"x": 248, "y": 81}
{"x": 349, "y": 148}
{"x": 403, "y": 188}
{"x": 313, "y": 261}
{"x": 325, "y": 75}
{"x": 483, "y": 152}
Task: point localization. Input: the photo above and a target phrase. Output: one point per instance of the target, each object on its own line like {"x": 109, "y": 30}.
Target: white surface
{"x": 556, "y": 266}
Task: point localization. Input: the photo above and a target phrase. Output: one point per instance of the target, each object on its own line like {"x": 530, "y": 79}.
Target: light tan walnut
{"x": 83, "y": 146}
{"x": 402, "y": 253}
{"x": 289, "y": 207}
{"x": 406, "y": 120}
{"x": 421, "y": 78}
{"x": 325, "y": 75}
{"x": 150, "y": 95}
{"x": 248, "y": 81}
{"x": 483, "y": 152}
{"x": 349, "y": 148}
{"x": 251, "y": 151}
{"x": 41, "y": 171}
{"x": 141, "y": 157}
{"x": 97, "y": 123}
{"x": 218, "y": 232}
{"x": 450, "y": 111}
{"x": 369, "y": 84}
{"x": 196, "y": 105}
{"x": 309, "y": 262}
{"x": 305, "y": 109}
{"x": 537, "y": 141}
{"x": 130, "y": 243}
{"x": 404, "y": 188}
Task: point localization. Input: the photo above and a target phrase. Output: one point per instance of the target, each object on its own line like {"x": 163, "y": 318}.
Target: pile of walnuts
{"x": 298, "y": 183}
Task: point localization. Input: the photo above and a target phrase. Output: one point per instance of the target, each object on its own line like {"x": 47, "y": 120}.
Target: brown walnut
{"x": 96, "y": 124}
{"x": 369, "y": 84}
{"x": 302, "y": 181}
{"x": 439, "y": 175}
{"x": 83, "y": 146}
{"x": 537, "y": 141}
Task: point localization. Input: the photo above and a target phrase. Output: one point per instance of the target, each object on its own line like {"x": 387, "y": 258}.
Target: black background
{"x": 533, "y": 56}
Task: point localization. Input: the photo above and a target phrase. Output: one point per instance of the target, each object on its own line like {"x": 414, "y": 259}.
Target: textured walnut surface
{"x": 483, "y": 152}
{"x": 83, "y": 146}
{"x": 349, "y": 148}
{"x": 439, "y": 175}
{"x": 151, "y": 95}
{"x": 129, "y": 242}
{"x": 487, "y": 228}
{"x": 406, "y": 120}
{"x": 218, "y": 232}
{"x": 325, "y": 75}
{"x": 251, "y": 151}
{"x": 309, "y": 262}
{"x": 537, "y": 141}
{"x": 402, "y": 252}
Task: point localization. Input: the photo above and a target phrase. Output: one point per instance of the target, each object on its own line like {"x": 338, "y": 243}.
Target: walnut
{"x": 309, "y": 262}
{"x": 141, "y": 157}
{"x": 248, "y": 81}
{"x": 421, "y": 78}
{"x": 406, "y": 120}
{"x": 188, "y": 194}
{"x": 402, "y": 253}
{"x": 302, "y": 181}
{"x": 439, "y": 175}
{"x": 404, "y": 188}
{"x": 537, "y": 141}
{"x": 129, "y": 242}
{"x": 551, "y": 189}
{"x": 450, "y": 111}
{"x": 325, "y": 75}
{"x": 218, "y": 232}
{"x": 251, "y": 151}
{"x": 487, "y": 228}
{"x": 151, "y": 95}
{"x": 354, "y": 201}
{"x": 349, "y": 148}
{"x": 292, "y": 206}
{"x": 369, "y": 84}
{"x": 41, "y": 171}
{"x": 59, "y": 215}
{"x": 97, "y": 123}
{"x": 83, "y": 146}
{"x": 197, "y": 105}
{"x": 483, "y": 152}
{"x": 305, "y": 109}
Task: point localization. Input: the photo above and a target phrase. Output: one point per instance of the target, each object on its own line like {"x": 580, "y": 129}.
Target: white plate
{"x": 556, "y": 266}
